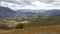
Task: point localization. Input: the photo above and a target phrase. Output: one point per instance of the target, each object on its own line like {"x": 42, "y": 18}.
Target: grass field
{"x": 53, "y": 29}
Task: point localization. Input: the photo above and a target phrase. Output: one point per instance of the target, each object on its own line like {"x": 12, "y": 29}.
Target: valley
{"x": 29, "y": 21}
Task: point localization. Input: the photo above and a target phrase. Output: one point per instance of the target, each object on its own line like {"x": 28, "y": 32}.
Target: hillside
{"x": 52, "y": 12}
{"x": 6, "y": 12}
{"x": 34, "y": 30}
{"x": 30, "y": 22}
{"x": 53, "y": 20}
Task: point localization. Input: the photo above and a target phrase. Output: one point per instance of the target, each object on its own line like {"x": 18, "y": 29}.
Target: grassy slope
{"x": 34, "y": 30}
{"x": 54, "y": 20}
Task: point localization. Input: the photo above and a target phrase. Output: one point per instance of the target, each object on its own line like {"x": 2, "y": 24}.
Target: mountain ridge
{"x": 6, "y": 12}
{"x": 53, "y": 11}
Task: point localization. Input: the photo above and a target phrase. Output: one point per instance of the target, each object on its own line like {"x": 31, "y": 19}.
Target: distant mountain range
{"x": 50, "y": 12}
{"x": 6, "y": 12}
{"x": 28, "y": 12}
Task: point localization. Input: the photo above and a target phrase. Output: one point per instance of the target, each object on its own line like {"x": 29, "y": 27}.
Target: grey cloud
{"x": 18, "y": 2}
{"x": 10, "y": 1}
{"x": 46, "y": 1}
{"x": 27, "y": 2}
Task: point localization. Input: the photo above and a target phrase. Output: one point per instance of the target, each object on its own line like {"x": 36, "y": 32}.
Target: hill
{"x": 52, "y": 12}
{"x": 6, "y": 12}
{"x": 53, "y": 20}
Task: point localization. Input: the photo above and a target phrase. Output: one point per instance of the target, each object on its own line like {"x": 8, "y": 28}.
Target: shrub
{"x": 18, "y": 26}
{"x": 4, "y": 27}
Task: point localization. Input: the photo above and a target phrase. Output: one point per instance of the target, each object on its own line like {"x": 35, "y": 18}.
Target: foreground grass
{"x": 53, "y": 29}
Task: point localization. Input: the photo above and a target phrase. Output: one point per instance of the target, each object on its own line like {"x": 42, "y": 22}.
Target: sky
{"x": 31, "y": 4}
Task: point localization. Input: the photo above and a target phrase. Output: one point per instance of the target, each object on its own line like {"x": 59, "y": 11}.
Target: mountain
{"x": 46, "y": 12}
{"x": 52, "y": 12}
{"x": 28, "y": 11}
{"x": 6, "y": 12}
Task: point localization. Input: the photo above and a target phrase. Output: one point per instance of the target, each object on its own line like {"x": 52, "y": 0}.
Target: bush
{"x": 4, "y": 27}
{"x": 18, "y": 26}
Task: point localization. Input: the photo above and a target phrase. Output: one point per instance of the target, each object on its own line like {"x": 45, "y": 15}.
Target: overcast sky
{"x": 31, "y": 4}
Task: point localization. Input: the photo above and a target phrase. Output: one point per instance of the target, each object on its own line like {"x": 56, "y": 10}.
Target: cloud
{"x": 27, "y": 1}
{"x": 18, "y": 1}
{"x": 37, "y": 3}
{"x": 56, "y": 2}
{"x": 46, "y": 1}
{"x": 31, "y": 4}
{"x": 10, "y": 5}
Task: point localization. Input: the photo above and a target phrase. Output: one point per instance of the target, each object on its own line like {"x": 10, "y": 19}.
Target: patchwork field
{"x": 53, "y": 29}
